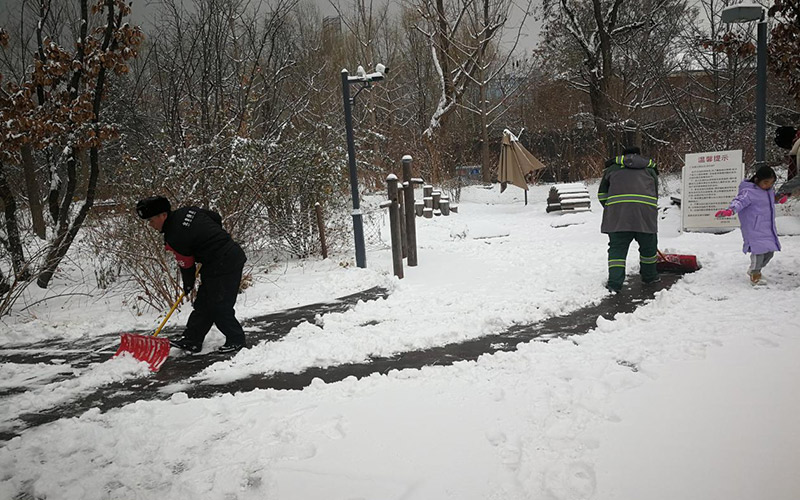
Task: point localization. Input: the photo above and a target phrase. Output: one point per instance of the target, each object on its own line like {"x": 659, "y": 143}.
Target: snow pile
{"x": 52, "y": 394}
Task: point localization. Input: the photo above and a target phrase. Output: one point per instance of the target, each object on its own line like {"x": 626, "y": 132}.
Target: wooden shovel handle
{"x": 175, "y": 305}
{"x": 171, "y": 310}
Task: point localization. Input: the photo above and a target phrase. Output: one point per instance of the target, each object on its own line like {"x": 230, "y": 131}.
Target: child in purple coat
{"x": 755, "y": 205}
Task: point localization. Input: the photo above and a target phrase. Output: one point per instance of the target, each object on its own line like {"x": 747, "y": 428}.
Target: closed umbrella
{"x": 515, "y": 163}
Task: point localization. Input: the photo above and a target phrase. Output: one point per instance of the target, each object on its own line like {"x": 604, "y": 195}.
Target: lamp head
{"x": 743, "y": 13}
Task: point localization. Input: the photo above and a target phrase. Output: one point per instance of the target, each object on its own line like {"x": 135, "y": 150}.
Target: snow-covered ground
{"x": 693, "y": 396}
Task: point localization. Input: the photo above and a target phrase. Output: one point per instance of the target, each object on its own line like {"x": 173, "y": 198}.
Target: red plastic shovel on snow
{"x": 676, "y": 263}
{"x": 148, "y": 348}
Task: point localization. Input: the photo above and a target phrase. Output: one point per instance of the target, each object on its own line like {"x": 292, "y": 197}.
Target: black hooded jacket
{"x": 195, "y": 235}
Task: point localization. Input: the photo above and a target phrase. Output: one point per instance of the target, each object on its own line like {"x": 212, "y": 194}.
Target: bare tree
{"x": 227, "y": 108}
{"x": 369, "y": 38}
{"x": 709, "y": 78}
{"x": 501, "y": 77}
{"x": 55, "y": 110}
{"x": 647, "y": 63}
{"x": 785, "y": 43}
{"x": 459, "y": 50}
{"x": 584, "y": 35}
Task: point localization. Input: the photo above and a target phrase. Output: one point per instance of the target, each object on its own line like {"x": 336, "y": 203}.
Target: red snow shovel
{"x": 148, "y": 348}
{"x": 676, "y": 263}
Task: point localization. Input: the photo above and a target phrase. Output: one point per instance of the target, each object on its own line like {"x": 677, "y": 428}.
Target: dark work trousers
{"x": 213, "y": 305}
{"x": 618, "y": 244}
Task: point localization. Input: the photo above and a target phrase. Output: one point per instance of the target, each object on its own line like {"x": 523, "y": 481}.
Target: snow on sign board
{"x": 710, "y": 182}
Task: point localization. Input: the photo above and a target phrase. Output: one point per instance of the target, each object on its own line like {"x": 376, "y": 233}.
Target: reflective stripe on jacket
{"x": 629, "y": 194}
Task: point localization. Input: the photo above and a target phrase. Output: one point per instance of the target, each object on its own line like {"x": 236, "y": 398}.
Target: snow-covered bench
{"x": 572, "y": 197}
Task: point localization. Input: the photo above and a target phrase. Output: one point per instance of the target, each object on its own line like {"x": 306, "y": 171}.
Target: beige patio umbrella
{"x": 515, "y": 163}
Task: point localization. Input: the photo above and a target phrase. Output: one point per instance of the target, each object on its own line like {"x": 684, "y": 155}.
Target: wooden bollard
{"x": 427, "y": 191}
{"x": 321, "y": 229}
{"x": 427, "y": 213}
{"x": 428, "y": 201}
{"x": 419, "y": 206}
{"x": 409, "y": 214}
{"x": 402, "y": 211}
{"x": 444, "y": 206}
{"x": 394, "y": 225}
{"x": 437, "y": 196}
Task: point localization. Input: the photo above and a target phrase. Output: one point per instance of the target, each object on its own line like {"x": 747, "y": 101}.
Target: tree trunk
{"x": 600, "y": 109}
{"x": 82, "y": 155}
{"x": 599, "y": 84}
{"x": 59, "y": 246}
{"x": 486, "y": 168}
{"x": 4, "y": 286}
{"x": 32, "y": 190}
{"x": 435, "y": 155}
{"x": 54, "y": 188}
{"x": 67, "y": 231}
{"x": 12, "y": 229}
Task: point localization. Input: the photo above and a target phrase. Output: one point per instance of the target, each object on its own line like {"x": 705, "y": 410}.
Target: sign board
{"x": 469, "y": 171}
{"x": 710, "y": 182}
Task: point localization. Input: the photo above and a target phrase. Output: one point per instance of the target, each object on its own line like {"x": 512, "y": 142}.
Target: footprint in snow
{"x": 572, "y": 481}
{"x": 765, "y": 342}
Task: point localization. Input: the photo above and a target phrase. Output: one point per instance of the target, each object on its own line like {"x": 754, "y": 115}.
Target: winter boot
{"x": 186, "y": 345}
{"x": 230, "y": 348}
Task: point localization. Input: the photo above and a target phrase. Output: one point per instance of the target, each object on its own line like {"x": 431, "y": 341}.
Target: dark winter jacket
{"x": 629, "y": 194}
{"x": 756, "y": 210}
{"x": 195, "y": 235}
{"x": 790, "y": 186}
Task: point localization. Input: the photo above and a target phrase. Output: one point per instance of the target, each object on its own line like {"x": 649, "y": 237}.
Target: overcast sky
{"x": 143, "y": 11}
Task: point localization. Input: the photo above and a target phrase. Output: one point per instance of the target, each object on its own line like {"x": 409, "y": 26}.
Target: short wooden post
{"x": 394, "y": 224}
{"x": 427, "y": 213}
{"x": 411, "y": 210}
{"x": 419, "y": 206}
{"x": 444, "y": 206}
{"x": 436, "y": 195}
{"x": 427, "y": 191}
{"x": 321, "y": 229}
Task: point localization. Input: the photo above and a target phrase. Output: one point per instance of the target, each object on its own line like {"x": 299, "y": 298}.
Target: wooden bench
{"x": 568, "y": 198}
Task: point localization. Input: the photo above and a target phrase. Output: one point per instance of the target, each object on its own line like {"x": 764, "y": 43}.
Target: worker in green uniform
{"x": 629, "y": 195}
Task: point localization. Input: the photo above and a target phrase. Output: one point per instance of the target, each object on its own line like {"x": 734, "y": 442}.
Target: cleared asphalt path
{"x": 272, "y": 327}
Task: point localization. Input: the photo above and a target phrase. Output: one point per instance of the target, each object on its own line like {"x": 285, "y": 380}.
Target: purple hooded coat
{"x": 756, "y": 210}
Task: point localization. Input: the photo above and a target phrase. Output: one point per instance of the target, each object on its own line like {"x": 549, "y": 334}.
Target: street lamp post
{"x": 761, "y": 94}
{"x": 364, "y": 81}
{"x": 746, "y": 14}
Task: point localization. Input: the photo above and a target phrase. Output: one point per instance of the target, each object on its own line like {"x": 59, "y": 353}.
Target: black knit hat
{"x": 151, "y": 206}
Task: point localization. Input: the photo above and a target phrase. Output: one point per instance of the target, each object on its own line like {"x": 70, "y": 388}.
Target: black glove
{"x": 188, "y": 276}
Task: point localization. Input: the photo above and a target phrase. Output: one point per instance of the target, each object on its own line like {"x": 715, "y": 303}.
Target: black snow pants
{"x": 215, "y": 299}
